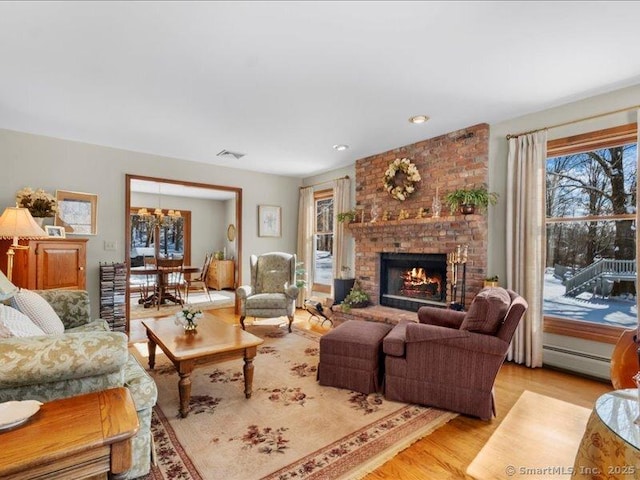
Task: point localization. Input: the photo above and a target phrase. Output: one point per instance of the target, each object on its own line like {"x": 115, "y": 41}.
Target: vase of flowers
{"x": 188, "y": 318}
{"x": 40, "y": 204}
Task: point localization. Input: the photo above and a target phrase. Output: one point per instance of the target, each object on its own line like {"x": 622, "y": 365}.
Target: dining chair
{"x": 170, "y": 280}
{"x": 200, "y": 280}
{"x": 148, "y": 282}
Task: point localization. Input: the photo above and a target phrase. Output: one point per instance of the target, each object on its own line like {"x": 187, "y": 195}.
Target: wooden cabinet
{"x": 49, "y": 263}
{"x": 221, "y": 274}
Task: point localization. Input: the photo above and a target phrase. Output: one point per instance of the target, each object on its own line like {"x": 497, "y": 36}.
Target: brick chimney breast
{"x": 454, "y": 160}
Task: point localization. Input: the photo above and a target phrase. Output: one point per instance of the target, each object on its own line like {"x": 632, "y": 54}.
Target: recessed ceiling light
{"x": 340, "y": 147}
{"x": 418, "y": 119}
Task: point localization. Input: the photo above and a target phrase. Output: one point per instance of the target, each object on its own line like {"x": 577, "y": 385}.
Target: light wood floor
{"x": 446, "y": 453}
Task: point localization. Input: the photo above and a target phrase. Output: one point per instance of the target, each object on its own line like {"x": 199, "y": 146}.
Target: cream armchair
{"x": 273, "y": 289}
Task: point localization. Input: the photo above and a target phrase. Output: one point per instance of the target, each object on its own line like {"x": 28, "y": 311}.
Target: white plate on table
{"x": 14, "y": 413}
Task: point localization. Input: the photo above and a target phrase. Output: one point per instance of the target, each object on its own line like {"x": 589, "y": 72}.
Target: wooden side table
{"x": 77, "y": 437}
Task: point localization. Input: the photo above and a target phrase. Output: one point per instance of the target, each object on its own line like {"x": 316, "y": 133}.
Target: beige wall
{"x": 50, "y": 163}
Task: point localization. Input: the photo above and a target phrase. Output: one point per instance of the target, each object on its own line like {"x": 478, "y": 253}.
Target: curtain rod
{"x": 322, "y": 183}
{"x": 514, "y": 135}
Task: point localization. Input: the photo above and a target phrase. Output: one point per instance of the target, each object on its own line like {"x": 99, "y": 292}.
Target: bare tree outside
{"x": 590, "y": 207}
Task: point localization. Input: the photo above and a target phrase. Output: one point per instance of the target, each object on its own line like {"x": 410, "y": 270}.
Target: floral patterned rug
{"x": 291, "y": 427}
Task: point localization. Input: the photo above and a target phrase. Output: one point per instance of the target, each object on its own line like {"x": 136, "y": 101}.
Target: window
{"x": 590, "y": 273}
{"x": 174, "y": 236}
{"x": 323, "y": 242}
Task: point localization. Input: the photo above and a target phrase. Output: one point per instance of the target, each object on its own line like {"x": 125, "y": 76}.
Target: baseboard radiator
{"x": 576, "y": 361}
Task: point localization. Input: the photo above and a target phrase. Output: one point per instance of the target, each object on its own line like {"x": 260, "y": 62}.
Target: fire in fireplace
{"x": 411, "y": 280}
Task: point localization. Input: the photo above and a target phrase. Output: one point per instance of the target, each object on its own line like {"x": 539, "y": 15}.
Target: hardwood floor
{"x": 446, "y": 453}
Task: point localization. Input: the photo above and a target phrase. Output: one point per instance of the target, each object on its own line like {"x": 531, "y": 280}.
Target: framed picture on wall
{"x": 269, "y": 221}
{"x": 77, "y": 212}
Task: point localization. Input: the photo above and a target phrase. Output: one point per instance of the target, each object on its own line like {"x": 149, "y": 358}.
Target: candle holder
{"x": 436, "y": 207}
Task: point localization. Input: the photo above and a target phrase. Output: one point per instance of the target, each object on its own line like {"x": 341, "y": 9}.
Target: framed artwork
{"x": 53, "y": 231}
{"x": 269, "y": 222}
{"x": 77, "y": 212}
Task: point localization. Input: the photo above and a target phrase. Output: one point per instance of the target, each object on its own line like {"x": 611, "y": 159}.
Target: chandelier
{"x": 158, "y": 217}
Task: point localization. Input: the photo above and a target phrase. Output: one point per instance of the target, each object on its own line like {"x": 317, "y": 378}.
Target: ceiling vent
{"x": 227, "y": 153}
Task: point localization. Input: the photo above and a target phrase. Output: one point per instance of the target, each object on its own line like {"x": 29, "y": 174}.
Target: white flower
{"x": 187, "y": 315}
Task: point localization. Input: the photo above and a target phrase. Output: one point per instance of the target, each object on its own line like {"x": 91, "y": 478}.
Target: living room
{"x": 62, "y": 156}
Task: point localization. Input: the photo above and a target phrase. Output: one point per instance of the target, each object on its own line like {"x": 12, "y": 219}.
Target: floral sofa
{"x": 86, "y": 357}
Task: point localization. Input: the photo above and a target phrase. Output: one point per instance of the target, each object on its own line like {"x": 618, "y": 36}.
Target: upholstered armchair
{"x": 273, "y": 290}
{"x": 450, "y": 359}
{"x": 85, "y": 357}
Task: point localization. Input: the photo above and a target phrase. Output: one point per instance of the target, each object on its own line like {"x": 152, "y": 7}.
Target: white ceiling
{"x": 285, "y": 81}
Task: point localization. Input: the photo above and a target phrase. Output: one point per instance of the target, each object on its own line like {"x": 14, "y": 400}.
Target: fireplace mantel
{"x": 364, "y": 227}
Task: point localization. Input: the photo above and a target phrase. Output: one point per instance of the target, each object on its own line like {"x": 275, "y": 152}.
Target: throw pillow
{"x": 17, "y": 323}
{"x": 487, "y": 311}
{"x": 38, "y": 310}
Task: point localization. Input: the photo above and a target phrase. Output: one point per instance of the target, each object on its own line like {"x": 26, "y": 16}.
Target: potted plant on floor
{"x": 467, "y": 200}
{"x": 357, "y": 298}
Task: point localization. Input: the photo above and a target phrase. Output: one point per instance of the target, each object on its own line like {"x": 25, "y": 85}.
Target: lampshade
{"x": 17, "y": 222}
{"x": 7, "y": 289}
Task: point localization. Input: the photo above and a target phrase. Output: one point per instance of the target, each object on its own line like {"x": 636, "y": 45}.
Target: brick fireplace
{"x": 455, "y": 160}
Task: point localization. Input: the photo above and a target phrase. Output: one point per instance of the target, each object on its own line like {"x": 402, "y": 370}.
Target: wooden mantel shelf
{"x": 355, "y": 226}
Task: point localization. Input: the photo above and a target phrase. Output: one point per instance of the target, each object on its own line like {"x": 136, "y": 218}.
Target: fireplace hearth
{"x": 409, "y": 281}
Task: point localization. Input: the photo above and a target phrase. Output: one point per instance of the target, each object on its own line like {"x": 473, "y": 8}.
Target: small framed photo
{"x": 269, "y": 222}
{"x": 54, "y": 231}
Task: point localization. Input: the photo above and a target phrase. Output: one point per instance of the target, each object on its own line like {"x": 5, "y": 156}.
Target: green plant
{"x": 301, "y": 275}
{"x": 476, "y": 197}
{"x": 349, "y": 216}
{"x": 356, "y": 298}
{"x": 495, "y": 278}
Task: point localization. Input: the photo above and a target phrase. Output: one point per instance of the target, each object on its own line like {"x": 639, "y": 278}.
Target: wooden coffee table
{"x": 214, "y": 340}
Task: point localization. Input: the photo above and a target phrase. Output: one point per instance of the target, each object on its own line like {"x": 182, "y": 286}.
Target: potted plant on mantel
{"x": 467, "y": 200}
{"x": 347, "y": 217}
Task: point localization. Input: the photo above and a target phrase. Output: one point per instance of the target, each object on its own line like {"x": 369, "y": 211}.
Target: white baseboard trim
{"x": 575, "y": 361}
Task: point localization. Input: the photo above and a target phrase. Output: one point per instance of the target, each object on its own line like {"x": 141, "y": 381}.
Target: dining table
{"x": 161, "y": 282}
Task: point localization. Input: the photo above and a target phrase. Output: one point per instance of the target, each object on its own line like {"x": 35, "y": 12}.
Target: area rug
{"x": 200, "y": 300}
{"x": 291, "y": 427}
{"x": 539, "y": 438}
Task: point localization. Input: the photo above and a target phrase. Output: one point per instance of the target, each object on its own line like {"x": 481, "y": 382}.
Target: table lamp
{"x": 17, "y": 223}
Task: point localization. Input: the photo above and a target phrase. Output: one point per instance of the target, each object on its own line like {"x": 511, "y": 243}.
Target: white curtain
{"x": 341, "y": 203}
{"x": 306, "y": 222}
{"x": 526, "y": 240}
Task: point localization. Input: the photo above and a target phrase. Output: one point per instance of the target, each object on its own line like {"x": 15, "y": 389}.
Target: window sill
{"x": 584, "y": 330}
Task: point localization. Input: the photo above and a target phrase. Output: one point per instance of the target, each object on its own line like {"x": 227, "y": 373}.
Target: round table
{"x": 160, "y": 282}
{"x": 610, "y": 447}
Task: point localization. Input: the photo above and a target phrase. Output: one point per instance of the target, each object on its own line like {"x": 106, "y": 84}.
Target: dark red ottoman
{"x": 351, "y": 356}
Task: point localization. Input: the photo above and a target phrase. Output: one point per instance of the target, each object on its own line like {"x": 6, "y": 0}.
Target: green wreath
{"x": 400, "y": 187}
